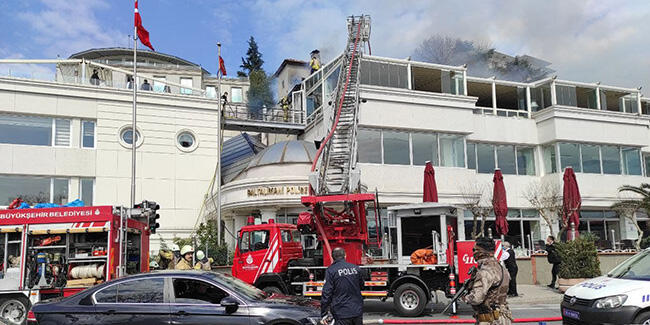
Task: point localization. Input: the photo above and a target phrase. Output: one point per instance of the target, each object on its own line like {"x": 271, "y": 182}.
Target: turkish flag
{"x": 222, "y": 66}
{"x": 143, "y": 34}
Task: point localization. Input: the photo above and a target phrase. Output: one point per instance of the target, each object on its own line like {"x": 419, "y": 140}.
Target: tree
{"x": 481, "y": 58}
{"x": 546, "y": 198}
{"x": 253, "y": 61}
{"x": 259, "y": 93}
{"x": 478, "y": 201}
{"x": 629, "y": 206}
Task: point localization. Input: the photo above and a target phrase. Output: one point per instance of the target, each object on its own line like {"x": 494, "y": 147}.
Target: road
{"x": 375, "y": 309}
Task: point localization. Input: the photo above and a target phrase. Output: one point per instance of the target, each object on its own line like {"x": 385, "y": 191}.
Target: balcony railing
{"x": 245, "y": 112}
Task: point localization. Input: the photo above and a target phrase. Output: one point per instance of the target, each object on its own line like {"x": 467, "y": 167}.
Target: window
{"x": 32, "y": 189}
{"x": 471, "y": 155}
{"x": 210, "y": 92}
{"x": 506, "y": 159}
{"x": 646, "y": 159}
{"x": 540, "y": 97}
{"x": 186, "y": 82}
{"x": 590, "y": 158}
{"x": 570, "y": 156}
{"x": 159, "y": 86}
{"x": 22, "y": 129}
{"x": 87, "y": 134}
{"x": 566, "y": 95}
{"x": 631, "y": 105}
{"x": 314, "y": 100}
{"x": 188, "y": 291}
{"x": 186, "y": 141}
{"x": 631, "y": 161}
{"x": 452, "y": 151}
{"x": 425, "y": 148}
{"x": 611, "y": 159}
{"x": 396, "y": 148}
{"x": 127, "y": 136}
{"x": 237, "y": 95}
{"x": 286, "y": 236}
{"x": 107, "y": 295}
{"x": 485, "y": 157}
{"x": 369, "y": 146}
{"x": 296, "y": 236}
{"x": 62, "y": 132}
{"x": 87, "y": 189}
{"x": 525, "y": 161}
{"x": 254, "y": 241}
{"x": 143, "y": 291}
{"x": 383, "y": 74}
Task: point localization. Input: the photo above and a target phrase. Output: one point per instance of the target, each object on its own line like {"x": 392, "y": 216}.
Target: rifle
{"x": 463, "y": 290}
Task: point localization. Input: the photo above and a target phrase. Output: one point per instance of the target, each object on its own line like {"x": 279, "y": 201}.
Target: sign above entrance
{"x": 277, "y": 190}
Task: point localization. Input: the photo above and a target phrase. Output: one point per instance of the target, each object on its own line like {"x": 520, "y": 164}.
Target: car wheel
{"x": 14, "y": 310}
{"x": 409, "y": 300}
{"x": 272, "y": 290}
{"x": 643, "y": 318}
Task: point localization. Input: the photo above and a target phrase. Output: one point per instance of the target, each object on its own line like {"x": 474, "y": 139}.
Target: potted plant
{"x": 579, "y": 261}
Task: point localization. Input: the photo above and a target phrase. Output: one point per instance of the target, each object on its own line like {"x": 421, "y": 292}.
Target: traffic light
{"x": 147, "y": 210}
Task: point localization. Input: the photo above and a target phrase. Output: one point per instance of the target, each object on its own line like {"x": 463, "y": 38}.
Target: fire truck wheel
{"x": 409, "y": 300}
{"x": 14, "y": 310}
{"x": 272, "y": 290}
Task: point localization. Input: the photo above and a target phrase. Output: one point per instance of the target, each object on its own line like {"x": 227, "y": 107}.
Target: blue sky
{"x": 586, "y": 41}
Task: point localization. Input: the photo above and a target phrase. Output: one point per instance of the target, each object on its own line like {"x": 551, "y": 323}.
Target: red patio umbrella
{"x": 500, "y": 203}
{"x": 571, "y": 201}
{"x": 430, "y": 193}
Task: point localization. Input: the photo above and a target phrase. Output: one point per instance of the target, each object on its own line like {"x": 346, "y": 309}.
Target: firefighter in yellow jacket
{"x": 187, "y": 253}
{"x": 314, "y": 62}
{"x": 489, "y": 290}
{"x": 202, "y": 262}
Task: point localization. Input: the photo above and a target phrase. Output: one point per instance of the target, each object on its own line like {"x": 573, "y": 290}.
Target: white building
{"x": 412, "y": 112}
{"x": 69, "y": 137}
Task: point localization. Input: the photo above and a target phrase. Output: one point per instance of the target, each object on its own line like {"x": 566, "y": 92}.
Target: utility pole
{"x": 218, "y": 176}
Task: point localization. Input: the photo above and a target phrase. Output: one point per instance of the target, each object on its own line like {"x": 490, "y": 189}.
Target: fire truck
{"x": 53, "y": 252}
{"x": 292, "y": 259}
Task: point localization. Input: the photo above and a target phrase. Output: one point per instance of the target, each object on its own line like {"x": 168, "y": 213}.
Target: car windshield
{"x": 242, "y": 288}
{"x": 635, "y": 268}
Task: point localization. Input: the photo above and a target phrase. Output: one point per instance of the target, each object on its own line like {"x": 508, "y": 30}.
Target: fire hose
{"x": 457, "y": 320}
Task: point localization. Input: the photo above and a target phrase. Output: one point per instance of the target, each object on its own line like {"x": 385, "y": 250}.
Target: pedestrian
{"x": 553, "y": 258}
{"x": 488, "y": 291}
{"x": 146, "y": 85}
{"x": 341, "y": 294}
{"x": 511, "y": 266}
{"x": 175, "y": 258}
{"x": 202, "y": 262}
{"x": 94, "y": 79}
{"x": 187, "y": 254}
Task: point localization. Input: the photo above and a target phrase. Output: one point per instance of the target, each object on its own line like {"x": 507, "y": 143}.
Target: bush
{"x": 645, "y": 242}
{"x": 579, "y": 258}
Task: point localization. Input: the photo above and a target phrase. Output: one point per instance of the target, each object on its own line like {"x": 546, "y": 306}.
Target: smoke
{"x": 481, "y": 58}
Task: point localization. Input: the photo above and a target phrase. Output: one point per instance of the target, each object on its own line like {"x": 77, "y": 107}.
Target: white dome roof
{"x": 285, "y": 152}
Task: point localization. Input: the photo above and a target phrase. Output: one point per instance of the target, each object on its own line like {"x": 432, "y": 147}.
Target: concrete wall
{"x": 537, "y": 270}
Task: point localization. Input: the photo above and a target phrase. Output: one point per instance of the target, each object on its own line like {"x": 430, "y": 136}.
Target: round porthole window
{"x": 186, "y": 141}
{"x": 126, "y": 137}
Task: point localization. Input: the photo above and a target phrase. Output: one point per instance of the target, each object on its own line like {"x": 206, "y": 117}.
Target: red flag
{"x": 143, "y": 34}
{"x": 222, "y": 66}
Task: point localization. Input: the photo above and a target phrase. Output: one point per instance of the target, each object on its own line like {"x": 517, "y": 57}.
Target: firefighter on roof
{"x": 314, "y": 62}
{"x": 489, "y": 290}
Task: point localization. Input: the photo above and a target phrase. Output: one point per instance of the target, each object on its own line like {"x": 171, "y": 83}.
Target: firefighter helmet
{"x": 187, "y": 249}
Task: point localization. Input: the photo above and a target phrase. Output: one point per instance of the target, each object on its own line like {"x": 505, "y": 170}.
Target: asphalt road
{"x": 375, "y": 309}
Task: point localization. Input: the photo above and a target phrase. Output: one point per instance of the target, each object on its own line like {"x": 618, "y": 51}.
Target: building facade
{"x": 413, "y": 112}
{"x": 70, "y": 137}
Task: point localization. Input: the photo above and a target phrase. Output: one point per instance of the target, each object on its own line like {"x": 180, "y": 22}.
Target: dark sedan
{"x": 176, "y": 298}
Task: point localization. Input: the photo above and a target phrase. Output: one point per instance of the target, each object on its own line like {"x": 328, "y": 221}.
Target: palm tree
{"x": 628, "y": 207}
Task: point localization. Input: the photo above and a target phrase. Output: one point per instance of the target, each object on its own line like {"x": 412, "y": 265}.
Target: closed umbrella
{"x": 571, "y": 201}
{"x": 500, "y": 203}
{"x": 430, "y": 193}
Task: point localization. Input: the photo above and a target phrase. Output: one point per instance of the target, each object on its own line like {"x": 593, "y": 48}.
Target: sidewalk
{"x": 535, "y": 294}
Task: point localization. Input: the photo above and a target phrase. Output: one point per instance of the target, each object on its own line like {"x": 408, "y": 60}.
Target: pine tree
{"x": 253, "y": 61}
{"x": 259, "y": 92}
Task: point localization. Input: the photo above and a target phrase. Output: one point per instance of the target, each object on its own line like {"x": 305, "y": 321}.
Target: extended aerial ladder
{"x": 338, "y": 209}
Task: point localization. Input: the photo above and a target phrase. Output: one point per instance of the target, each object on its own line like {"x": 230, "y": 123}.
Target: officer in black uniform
{"x": 342, "y": 291}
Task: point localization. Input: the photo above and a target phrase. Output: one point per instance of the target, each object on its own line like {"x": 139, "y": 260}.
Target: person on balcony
{"x": 146, "y": 85}
{"x": 94, "y": 79}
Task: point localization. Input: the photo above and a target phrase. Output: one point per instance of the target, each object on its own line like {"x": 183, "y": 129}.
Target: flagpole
{"x": 134, "y": 133}
{"x": 219, "y": 109}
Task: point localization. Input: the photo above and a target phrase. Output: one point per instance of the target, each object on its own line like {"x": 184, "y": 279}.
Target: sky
{"x": 588, "y": 41}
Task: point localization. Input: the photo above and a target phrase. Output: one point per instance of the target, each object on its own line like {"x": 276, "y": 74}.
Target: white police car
{"x": 620, "y": 297}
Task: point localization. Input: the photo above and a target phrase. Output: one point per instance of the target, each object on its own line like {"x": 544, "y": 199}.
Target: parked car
{"x": 175, "y": 297}
{"x": 620, "y": 297}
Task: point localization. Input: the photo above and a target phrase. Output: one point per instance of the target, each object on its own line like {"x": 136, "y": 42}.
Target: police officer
{"x": 489, "y": 289}
{"x": 342, "y": 291}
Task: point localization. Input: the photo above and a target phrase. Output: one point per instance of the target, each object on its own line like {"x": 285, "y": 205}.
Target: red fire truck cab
{"x": 46, "y": 253}
{"x": 263, "y": 253}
